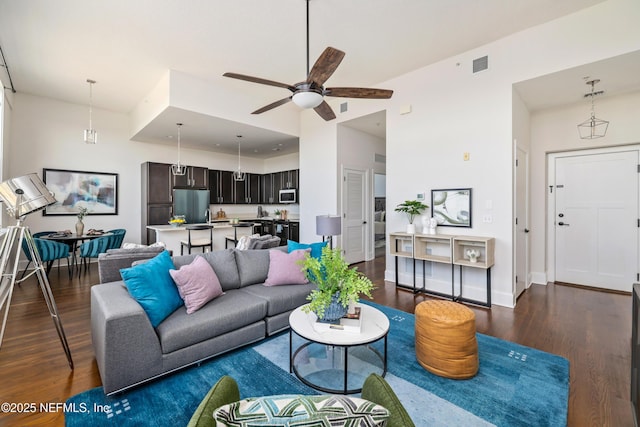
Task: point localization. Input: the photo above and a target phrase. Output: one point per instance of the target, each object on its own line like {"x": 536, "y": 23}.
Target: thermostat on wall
{"x": 420, "y": 196}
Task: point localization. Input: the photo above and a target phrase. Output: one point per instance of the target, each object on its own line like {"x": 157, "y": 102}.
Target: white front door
{"x": 521, "y": 221}
{"x": 354, "y": 209}
{"x": 596, "y": 219}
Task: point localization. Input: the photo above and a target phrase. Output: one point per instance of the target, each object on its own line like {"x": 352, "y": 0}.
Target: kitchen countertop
{"x": 217, "y": 223}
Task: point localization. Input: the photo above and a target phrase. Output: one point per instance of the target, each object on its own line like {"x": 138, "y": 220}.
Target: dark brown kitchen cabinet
{"x": 195, "y": 177}
{"x": 248, "y": 191}
{"x": 157, "y": 182}
{"x": 157, "y": 203}
{"x": 268, "y": 193}
{"x": 221, "y": 187}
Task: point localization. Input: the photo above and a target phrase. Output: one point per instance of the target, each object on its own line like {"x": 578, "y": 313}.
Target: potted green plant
{"x": 412, "y": 208}
{"x": 337, "y": 285}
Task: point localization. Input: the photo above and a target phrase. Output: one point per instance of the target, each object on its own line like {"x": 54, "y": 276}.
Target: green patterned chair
{"x": 377, "y": 390}
{"x": 225, "y": 391}
{"x": 223, "y": 400}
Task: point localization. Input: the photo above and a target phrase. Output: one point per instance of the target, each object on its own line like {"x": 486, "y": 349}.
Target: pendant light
{"x": 239, "y": 175}
{"x": 593, "y": 127}
{"x": 178, "y": 168}
{"x": 90, "y": 135}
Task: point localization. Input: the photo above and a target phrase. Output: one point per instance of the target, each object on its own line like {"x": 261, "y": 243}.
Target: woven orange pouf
{"x": 446, "y": 342}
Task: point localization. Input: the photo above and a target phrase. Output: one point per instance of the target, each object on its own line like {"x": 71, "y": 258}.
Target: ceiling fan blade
{"x": 272, "y": 105}
{"x": 325, "y": 66}
{"x": 358, "y": 92}
{"x": 259, "y": 80}
{"x": 325, "y": 111}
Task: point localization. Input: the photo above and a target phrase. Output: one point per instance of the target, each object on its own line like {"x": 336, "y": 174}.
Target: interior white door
{"x": 354, "y": 215}
{"x": 521, "y": 221}
{"x": 596, "y": 219}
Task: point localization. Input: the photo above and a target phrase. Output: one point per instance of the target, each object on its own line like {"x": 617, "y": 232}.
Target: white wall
{"x": 555, "y": 130}
{"x": 455, "y": 111}
{"x": 47, "y": 133}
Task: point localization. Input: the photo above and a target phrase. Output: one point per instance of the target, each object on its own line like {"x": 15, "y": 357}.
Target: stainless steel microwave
{"x": 287, "y": 195}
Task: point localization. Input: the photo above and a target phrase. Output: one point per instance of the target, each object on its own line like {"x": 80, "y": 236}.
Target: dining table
{"x": 72, "y": 240}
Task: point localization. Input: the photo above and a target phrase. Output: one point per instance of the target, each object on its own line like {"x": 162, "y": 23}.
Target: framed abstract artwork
{"x": 96, "y": 191}
{"x": 452, "y": 207}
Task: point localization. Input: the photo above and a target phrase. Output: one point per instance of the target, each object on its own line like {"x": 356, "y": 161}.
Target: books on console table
{"x": 349, "y": 323}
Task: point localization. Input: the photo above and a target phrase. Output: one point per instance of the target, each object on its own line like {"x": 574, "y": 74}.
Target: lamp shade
{"x": 35, "y": 194}
{"x": 307, "y": 99}
{"x": 328, "y": 225}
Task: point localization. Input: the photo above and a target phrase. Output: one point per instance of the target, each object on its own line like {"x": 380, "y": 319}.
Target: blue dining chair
{"x": 117, "y": 236}
{"x": 48, "y": 250}
{"x": 92, "y": 249}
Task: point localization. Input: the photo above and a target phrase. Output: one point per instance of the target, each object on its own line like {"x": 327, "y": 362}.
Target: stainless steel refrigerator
{"x": 193, "y": 204}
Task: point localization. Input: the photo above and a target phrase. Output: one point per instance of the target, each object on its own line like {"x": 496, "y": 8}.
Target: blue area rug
{"x": 515, "y": 386}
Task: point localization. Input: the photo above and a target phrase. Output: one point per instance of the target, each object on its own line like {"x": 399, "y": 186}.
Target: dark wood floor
{"x": 592, "y": 329}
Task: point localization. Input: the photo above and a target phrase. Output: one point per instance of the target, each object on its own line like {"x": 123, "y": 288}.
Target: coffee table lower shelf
{"x": 341, "y": 366}
{"x": 337, "y": 362}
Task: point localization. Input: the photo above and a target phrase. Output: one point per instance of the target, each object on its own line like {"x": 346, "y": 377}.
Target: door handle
{"x": 563, "y": 223}
{"x": 364, "y": 222}
{"x": 526, "y": 230}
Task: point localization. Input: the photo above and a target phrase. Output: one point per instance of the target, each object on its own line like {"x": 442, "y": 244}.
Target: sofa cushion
{"x": 286, "y": 269}
{"x": 316, "y": 248}
{"x": 253, "y": 266}
{"x": 283, "y": 298}
{"x": 223, "y": 263}
{"x": 229, "y": 312}
{"x": 151, "y": 285}
{"x": 197, "y": 284}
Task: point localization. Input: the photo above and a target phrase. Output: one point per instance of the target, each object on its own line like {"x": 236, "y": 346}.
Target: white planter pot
{"x": 411, "y": 228}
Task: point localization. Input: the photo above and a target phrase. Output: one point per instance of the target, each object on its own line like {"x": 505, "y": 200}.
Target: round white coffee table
{"x": 337, "y": 361}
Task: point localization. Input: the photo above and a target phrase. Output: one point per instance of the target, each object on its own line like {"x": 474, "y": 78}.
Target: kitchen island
{"x": 171, "y": 236}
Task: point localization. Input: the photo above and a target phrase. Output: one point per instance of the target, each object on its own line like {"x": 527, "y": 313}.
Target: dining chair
{"x": 92, "y": 249}
{"x": 48, "y": 250}
{"x": 117, "y": 236}
{"x": 197, "y": 242}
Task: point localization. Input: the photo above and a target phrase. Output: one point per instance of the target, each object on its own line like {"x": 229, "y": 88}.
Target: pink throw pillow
{"x": 197, "y": 284}
{"x": 285, "y": 268}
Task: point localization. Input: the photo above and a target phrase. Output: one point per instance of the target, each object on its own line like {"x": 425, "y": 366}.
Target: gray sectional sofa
{"x": 129, "y": 351}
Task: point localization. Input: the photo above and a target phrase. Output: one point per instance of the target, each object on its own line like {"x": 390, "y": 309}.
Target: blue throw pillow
{"x": 316, "y": 248}
{"x": 151, "y": 285}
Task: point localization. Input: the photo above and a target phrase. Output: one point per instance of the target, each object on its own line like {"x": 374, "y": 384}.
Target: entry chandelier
{"x": 593, "y": 127}
{"x": 238, "y": 175}
{"x": 178, "y": 168}
{"x": 90, "y": 135}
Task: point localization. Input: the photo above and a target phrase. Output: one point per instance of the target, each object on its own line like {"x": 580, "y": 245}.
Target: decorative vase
{"x": 334, "y": 311}
{"x": 411, "y": 229}
{"x": 79, "y": 228}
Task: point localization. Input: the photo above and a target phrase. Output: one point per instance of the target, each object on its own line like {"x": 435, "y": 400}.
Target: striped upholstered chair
{"x": 48, "y": 250}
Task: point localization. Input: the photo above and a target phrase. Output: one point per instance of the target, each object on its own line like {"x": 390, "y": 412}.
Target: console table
{"x": 444, "y": 249}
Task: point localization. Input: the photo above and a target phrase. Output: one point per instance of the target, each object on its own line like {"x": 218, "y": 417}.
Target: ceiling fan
{"x": 311, "y": 92}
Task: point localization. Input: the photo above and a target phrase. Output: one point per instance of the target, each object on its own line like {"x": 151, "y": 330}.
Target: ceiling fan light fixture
{"x": 307, "y": 99}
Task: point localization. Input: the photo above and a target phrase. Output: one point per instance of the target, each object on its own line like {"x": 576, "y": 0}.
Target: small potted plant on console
{"x": 412, "y": 208}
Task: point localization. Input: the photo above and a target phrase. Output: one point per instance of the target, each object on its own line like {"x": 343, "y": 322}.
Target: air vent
{"x": 344, "y": 107}
{"x": 480, "y": 64}
{"x": 379, "y": 158}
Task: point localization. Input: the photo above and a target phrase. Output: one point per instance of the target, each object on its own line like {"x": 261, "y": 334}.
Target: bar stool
{"x": 234, "y": 239}
{"x": 202, "y": 242}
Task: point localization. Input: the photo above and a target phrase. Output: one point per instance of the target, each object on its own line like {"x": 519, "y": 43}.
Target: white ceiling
{"x": 52, "y": 47}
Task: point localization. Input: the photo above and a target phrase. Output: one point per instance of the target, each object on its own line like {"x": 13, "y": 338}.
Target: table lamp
{"x": 22, "y": 196}
{"x": 328, "y": 226}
